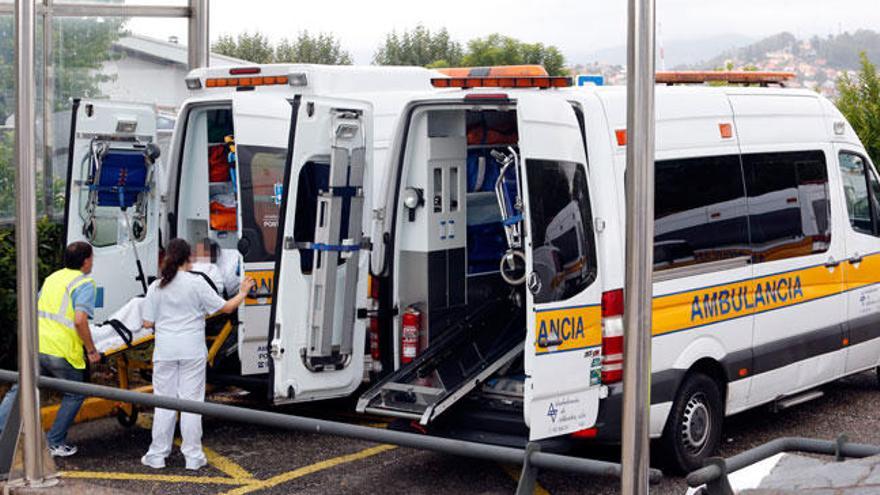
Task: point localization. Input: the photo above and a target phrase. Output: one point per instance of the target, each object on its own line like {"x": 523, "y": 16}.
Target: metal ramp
{"x": 464, "y": 356}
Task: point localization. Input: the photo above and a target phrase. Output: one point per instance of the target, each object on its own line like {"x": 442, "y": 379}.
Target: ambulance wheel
{"x": 693, "y": 429}
{"x": 125, "y": 419}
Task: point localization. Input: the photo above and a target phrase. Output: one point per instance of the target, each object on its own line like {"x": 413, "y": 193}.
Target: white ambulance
{"x": 223, "y": 178}
{"x": 495, "y": 240}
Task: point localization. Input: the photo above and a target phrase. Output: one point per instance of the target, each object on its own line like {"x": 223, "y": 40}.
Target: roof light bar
{"x": 502, "y": 82}
{"x": 762, "y": 78}
{"x": 231, "y": 82}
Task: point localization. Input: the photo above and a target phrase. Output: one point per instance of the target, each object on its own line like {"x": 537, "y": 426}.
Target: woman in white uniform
{"x": 176, "y": 306}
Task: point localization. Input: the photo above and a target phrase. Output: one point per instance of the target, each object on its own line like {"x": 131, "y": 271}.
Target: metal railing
{"x": 714, "y": 474}
{"x": 530, "y": 458}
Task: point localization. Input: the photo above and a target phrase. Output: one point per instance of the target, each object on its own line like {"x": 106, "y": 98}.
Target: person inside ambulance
{"x": 176, "y": 306}
{"x": 206, "y": 262}
{"x": 66, "y": 302}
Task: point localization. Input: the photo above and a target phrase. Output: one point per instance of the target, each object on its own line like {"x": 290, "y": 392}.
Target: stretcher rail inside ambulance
{"x": 446, "y": 246}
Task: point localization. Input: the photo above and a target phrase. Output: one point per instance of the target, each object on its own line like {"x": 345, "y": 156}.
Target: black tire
{"x": 693, "y": 429}
{"x": 125, "y": 419}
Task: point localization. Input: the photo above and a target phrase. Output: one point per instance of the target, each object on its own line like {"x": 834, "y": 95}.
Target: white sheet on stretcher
{"x": 107, "y": 339}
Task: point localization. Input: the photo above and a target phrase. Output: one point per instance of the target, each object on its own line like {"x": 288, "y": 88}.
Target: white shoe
{"x": 196, "y": 464}
{"x": 153, "y": 462}
{"x": 63, "y": 450}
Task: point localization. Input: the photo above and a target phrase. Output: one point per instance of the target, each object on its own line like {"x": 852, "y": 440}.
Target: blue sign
{"x": 279, "y": 193}
{"x": 591, "y": 79}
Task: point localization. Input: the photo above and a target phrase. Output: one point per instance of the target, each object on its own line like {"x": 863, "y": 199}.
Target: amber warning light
{"x": 502, "y": 82}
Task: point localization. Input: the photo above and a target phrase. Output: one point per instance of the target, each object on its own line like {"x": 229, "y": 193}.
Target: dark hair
{"x": 76, "y": 254}
{"x": 176, "y": 255}
{"x": 211, "y": 247}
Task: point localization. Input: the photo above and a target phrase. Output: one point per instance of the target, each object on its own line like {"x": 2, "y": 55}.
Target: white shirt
{"x": 178, "y": 311}
{"x": 213, "y": 272}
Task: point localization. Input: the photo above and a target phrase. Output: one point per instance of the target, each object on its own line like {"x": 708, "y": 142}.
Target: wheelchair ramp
{"x": 456, "y": 363}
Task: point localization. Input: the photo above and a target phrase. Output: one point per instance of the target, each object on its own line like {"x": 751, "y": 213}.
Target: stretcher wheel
{"x": 126, "y": 419}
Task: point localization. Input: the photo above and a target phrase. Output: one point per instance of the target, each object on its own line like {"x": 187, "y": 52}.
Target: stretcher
{"x": 128, "y": 348}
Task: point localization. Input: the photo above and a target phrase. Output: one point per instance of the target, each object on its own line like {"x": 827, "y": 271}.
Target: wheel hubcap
{"x": 696, "y": 424}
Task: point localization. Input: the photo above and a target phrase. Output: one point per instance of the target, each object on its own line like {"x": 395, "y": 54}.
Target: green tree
{"x": 254, "y": 47}
{"x": 419, "y": 47}
{"x": 859, "y": 100}
{"x": 307, "y": 49}
{"x": 497, "y": 49}
{"x": 80, "y": 48}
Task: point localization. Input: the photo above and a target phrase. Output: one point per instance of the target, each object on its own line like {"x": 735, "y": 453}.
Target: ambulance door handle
{"x": 855, "y": 260}
{"x": 831, "y": 263}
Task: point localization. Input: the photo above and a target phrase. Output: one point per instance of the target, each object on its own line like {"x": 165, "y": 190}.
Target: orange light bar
{"x": 502, "y": 82}
{"x": 731, "y": 77}
{"x": 231, "y": 82}
{"x": 495, "y": 71}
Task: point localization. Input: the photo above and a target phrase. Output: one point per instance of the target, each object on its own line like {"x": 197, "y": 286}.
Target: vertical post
{"x": 199, "y": 38}
{"x": 639, "y": 247}
{"x": 48, "y": 110}
{"x": 26, "y": 241}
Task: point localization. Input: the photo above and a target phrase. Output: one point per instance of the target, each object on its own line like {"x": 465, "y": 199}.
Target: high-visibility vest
{"x": 57, "y": 329}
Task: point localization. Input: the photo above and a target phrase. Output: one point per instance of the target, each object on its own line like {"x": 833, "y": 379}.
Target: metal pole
{"x": 538, "y": 459}
{"x": 199, "y": 39}
{"x": 48, "y": 110}
{"x": 26, "y": 241}
{"x": 639, "y": 247}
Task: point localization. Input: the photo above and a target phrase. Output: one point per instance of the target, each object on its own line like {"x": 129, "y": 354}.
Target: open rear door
{"x": 111, "y": 199}
{"x": 563, "y": 332}
{"x": 262, "y": 131}
{"x": 317, "y": 342}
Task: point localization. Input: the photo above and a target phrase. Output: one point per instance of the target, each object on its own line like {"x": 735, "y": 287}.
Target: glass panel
{"x": 699, "y": 211}
{"x": 855, "y": 190}
{"x": 161, "y": 3}
{"x": 563, "y": 249}
{"x": 7, "y": 133}
{"x": 261, "y": 170}
{"x": 789, "y": 209}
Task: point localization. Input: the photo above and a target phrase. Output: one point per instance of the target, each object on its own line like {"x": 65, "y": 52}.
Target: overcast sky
{"x": 575, "y": 26}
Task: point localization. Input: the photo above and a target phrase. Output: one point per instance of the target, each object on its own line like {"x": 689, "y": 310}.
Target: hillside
{"x": 836, "y": 52}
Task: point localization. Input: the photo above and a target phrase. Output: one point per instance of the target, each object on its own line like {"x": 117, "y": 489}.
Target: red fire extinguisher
{"x": 409, "y": 337}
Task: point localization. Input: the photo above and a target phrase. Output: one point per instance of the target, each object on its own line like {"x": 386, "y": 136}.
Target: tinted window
{"x": 861, "y": 205}
{"x": 699, "y": 211}
{"x": 789, "y": 209}
{"x": 563, "y": 249}
{"x": 312, "y": 181}
{"x": 261, "y": 176}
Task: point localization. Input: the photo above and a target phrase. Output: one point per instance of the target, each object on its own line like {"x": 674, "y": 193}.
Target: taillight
{"x": 373, "y": 325}
{"x": 587, "y": 433}
{"x": 612, "y": 336}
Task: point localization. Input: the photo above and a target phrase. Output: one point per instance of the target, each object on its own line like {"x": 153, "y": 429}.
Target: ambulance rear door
{"x": 563, "y": 290}
{"x": 317, "y": 342}
{"x": 262, "y": 130}
{"x": 111, "y": 200}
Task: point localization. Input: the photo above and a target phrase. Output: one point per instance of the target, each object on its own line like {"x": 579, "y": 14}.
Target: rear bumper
{"x": 664, "y": 386}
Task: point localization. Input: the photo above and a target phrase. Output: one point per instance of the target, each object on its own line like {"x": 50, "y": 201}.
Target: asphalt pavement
{"x": 247, "y": 459}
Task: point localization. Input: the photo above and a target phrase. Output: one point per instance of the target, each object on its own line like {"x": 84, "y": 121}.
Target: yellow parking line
{"x": 226, "y": 465}
{"x": 167, "y": 478}
{"x": 310, "y": 469}
{"x": 514, "y": 473}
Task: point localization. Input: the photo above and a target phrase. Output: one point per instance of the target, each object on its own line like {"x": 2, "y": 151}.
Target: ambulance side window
{"x": 261, "y": 176}
{"x": 862, "y": 202}
{"x": 563, "y": 244}
{"x": 313, "y": 179}
{"x": 699, "y": 211}
{"x": 789, "y": 209}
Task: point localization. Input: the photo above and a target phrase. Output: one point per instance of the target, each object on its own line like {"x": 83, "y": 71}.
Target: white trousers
{"x": 184, "y": 379}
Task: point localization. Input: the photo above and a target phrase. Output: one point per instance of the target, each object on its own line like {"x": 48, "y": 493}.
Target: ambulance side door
{"x": 317, "y": 342}
{"x": 563, "y": 290}
{"x": 116, "y": 135}
{"x": 262, "y": 131}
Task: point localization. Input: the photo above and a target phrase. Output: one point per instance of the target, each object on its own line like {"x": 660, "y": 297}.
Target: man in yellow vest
{"x": 67, "y": 301}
